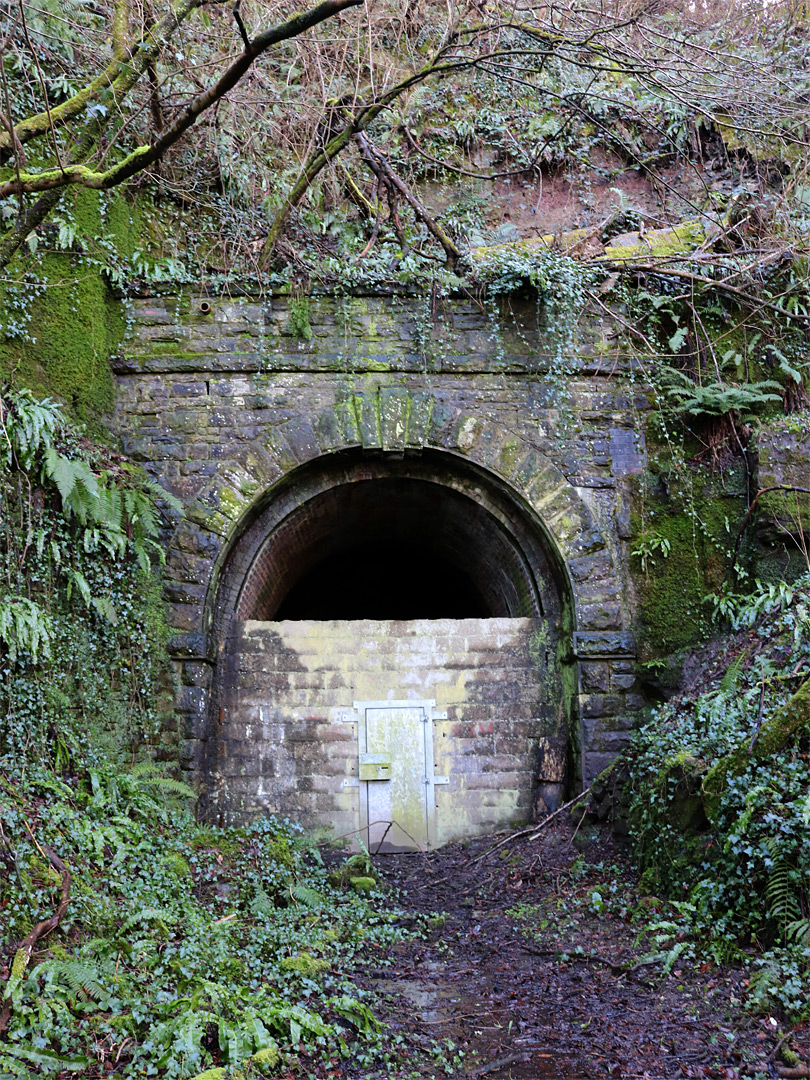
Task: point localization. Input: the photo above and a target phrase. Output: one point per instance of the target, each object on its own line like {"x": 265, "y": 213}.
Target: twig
{"x": 242, "y": 30}
{"x": 775, "y": 1052}
{"x": 533, "y": 830}
{"x": 759, "y": 718}
{"x": 26, "y": 947}
{"x": 493, "y": 1066}
{"x": 596, "y": 958}
{"x": 667, "y": 271}
{"x": 44, "y": 90}
{"x": 579, "y": 823}
{"x": 372, "y": 156}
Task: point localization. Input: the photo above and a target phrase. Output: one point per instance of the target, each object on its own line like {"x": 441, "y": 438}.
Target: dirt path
{"x": 532, "y": 973}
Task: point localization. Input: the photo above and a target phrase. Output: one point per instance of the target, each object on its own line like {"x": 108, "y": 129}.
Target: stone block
{"x": 622, "y": 682}
{"x": 604, "y": 615}
{"x": 604, "y": 645}
{"x": 600, "y": 705}
{"x": 594, "y": 677}
{"x": 368, "y": 420}
{"x": 394, "y": 409}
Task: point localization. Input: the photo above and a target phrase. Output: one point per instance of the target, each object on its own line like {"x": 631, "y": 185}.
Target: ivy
{"x": 80, "y": 533}
{"x": 746, "y": 881}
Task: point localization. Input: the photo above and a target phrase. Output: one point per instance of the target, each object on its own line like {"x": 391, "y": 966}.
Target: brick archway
{"x": 393, "y": 425}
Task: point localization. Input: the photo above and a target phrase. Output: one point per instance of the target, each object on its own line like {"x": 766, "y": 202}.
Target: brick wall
{"x": 288, "y": 737}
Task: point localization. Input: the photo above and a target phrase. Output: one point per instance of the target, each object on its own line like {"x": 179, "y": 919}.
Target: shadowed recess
{"x": 388, "y": 548}
{"x": 400, "y": 582}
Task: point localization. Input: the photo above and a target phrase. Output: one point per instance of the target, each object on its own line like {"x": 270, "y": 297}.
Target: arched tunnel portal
{"x": 392, "y": 634}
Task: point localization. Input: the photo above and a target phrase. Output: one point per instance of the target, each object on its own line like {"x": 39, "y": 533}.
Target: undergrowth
{"x": 134, "y": 940}
{"x": 184, "y": 947}
{"x": 740, "y": 884}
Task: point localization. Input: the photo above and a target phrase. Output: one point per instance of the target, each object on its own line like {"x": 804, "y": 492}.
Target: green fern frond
{"x": 780, "y": 892}
{"x": 309, "y": 898}
{"x": 161, "y": 916}
{"x": 25, "y": 628}
{"x": 30, "y": 426}
{"x": 262, "y": 904}
{"x": 80, "y": 978}
{"x": 731, "y": 679}
{"x": 798, "y": 932}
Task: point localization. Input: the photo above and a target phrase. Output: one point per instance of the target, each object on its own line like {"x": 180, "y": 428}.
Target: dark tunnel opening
{"x": 388, "y": 548}
{"x": 401, "y": 581}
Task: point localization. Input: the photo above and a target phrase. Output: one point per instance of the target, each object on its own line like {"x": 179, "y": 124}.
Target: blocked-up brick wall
{"x": 288, "y": 731}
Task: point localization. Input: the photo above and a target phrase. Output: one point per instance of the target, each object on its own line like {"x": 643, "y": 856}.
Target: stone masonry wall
{"x": 223, "y": 407}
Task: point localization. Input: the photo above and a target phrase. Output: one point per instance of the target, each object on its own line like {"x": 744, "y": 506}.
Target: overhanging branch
{"x": 144, "y": 156}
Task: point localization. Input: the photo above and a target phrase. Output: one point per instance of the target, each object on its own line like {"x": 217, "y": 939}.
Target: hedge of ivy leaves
{"x": 740, "y": 886}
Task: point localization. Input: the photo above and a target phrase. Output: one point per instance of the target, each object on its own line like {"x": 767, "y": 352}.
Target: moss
{"x": 630, "y": 247}
{"x": 266, "y": 1059}
{"x": 298, "y": 318}
{"x": 75, "y": 327}
{"x": 304, "y": 964}
{"x": 72, "y": 323}
{"x": 682, "y": 548}
{"x": 658, "y": 242}
{"x": 363, "y": 884}
{"x": 509, "y": 457}
{"x": 233, "y": 505}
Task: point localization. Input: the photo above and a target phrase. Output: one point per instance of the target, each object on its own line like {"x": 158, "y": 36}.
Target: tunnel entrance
{"x": 402, "y": 581}
{"x": 391, "y": 547}
{"x": 391, "y": 639}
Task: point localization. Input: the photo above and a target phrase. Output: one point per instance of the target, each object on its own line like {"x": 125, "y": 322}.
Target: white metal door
{"x": 396, "y": 774}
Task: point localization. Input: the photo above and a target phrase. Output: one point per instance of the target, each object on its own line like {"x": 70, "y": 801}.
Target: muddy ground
{"x": 535, "y": 968}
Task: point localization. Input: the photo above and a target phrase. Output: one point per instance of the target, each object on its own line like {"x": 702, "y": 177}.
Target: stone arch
{"x": 386, "y": 425}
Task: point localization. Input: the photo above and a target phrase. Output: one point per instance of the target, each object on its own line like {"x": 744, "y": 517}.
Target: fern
{"x": 712, "y": 399}
{"x": 25, "y": 628}
{"x": 161, "y": 916}
{"x": 77, "y": 485}
{"x": 731, "y": 679}
{"x": 309, "y": 898}
{"x": 30, "y": 427}
{"x": 262, "y": 904}
{"x": 79, "y": 978}
{"x": 780, "y": 893}
{"x": 148, "y": 775}
{"x": 798, "y": 932}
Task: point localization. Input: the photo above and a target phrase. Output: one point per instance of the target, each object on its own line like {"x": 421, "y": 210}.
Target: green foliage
{"x": 748, "y": 881}
{"x": 741, "y": 610}
{"x": 79, "y": 529}
{"x": 648, "y": 547}
{"x": 299, "y": 318}
{"x": 175, "y": 973}
{"x": 714, "y": 399}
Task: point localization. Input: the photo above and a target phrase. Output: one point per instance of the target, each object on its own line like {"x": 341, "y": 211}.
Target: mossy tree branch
{"x": 80, "y": 173}
{"x": 128, "y": 61}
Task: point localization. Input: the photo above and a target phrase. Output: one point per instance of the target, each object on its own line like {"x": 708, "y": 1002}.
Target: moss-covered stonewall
{"x": 61, "y": 321}
{"x": 684, "y": 526}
